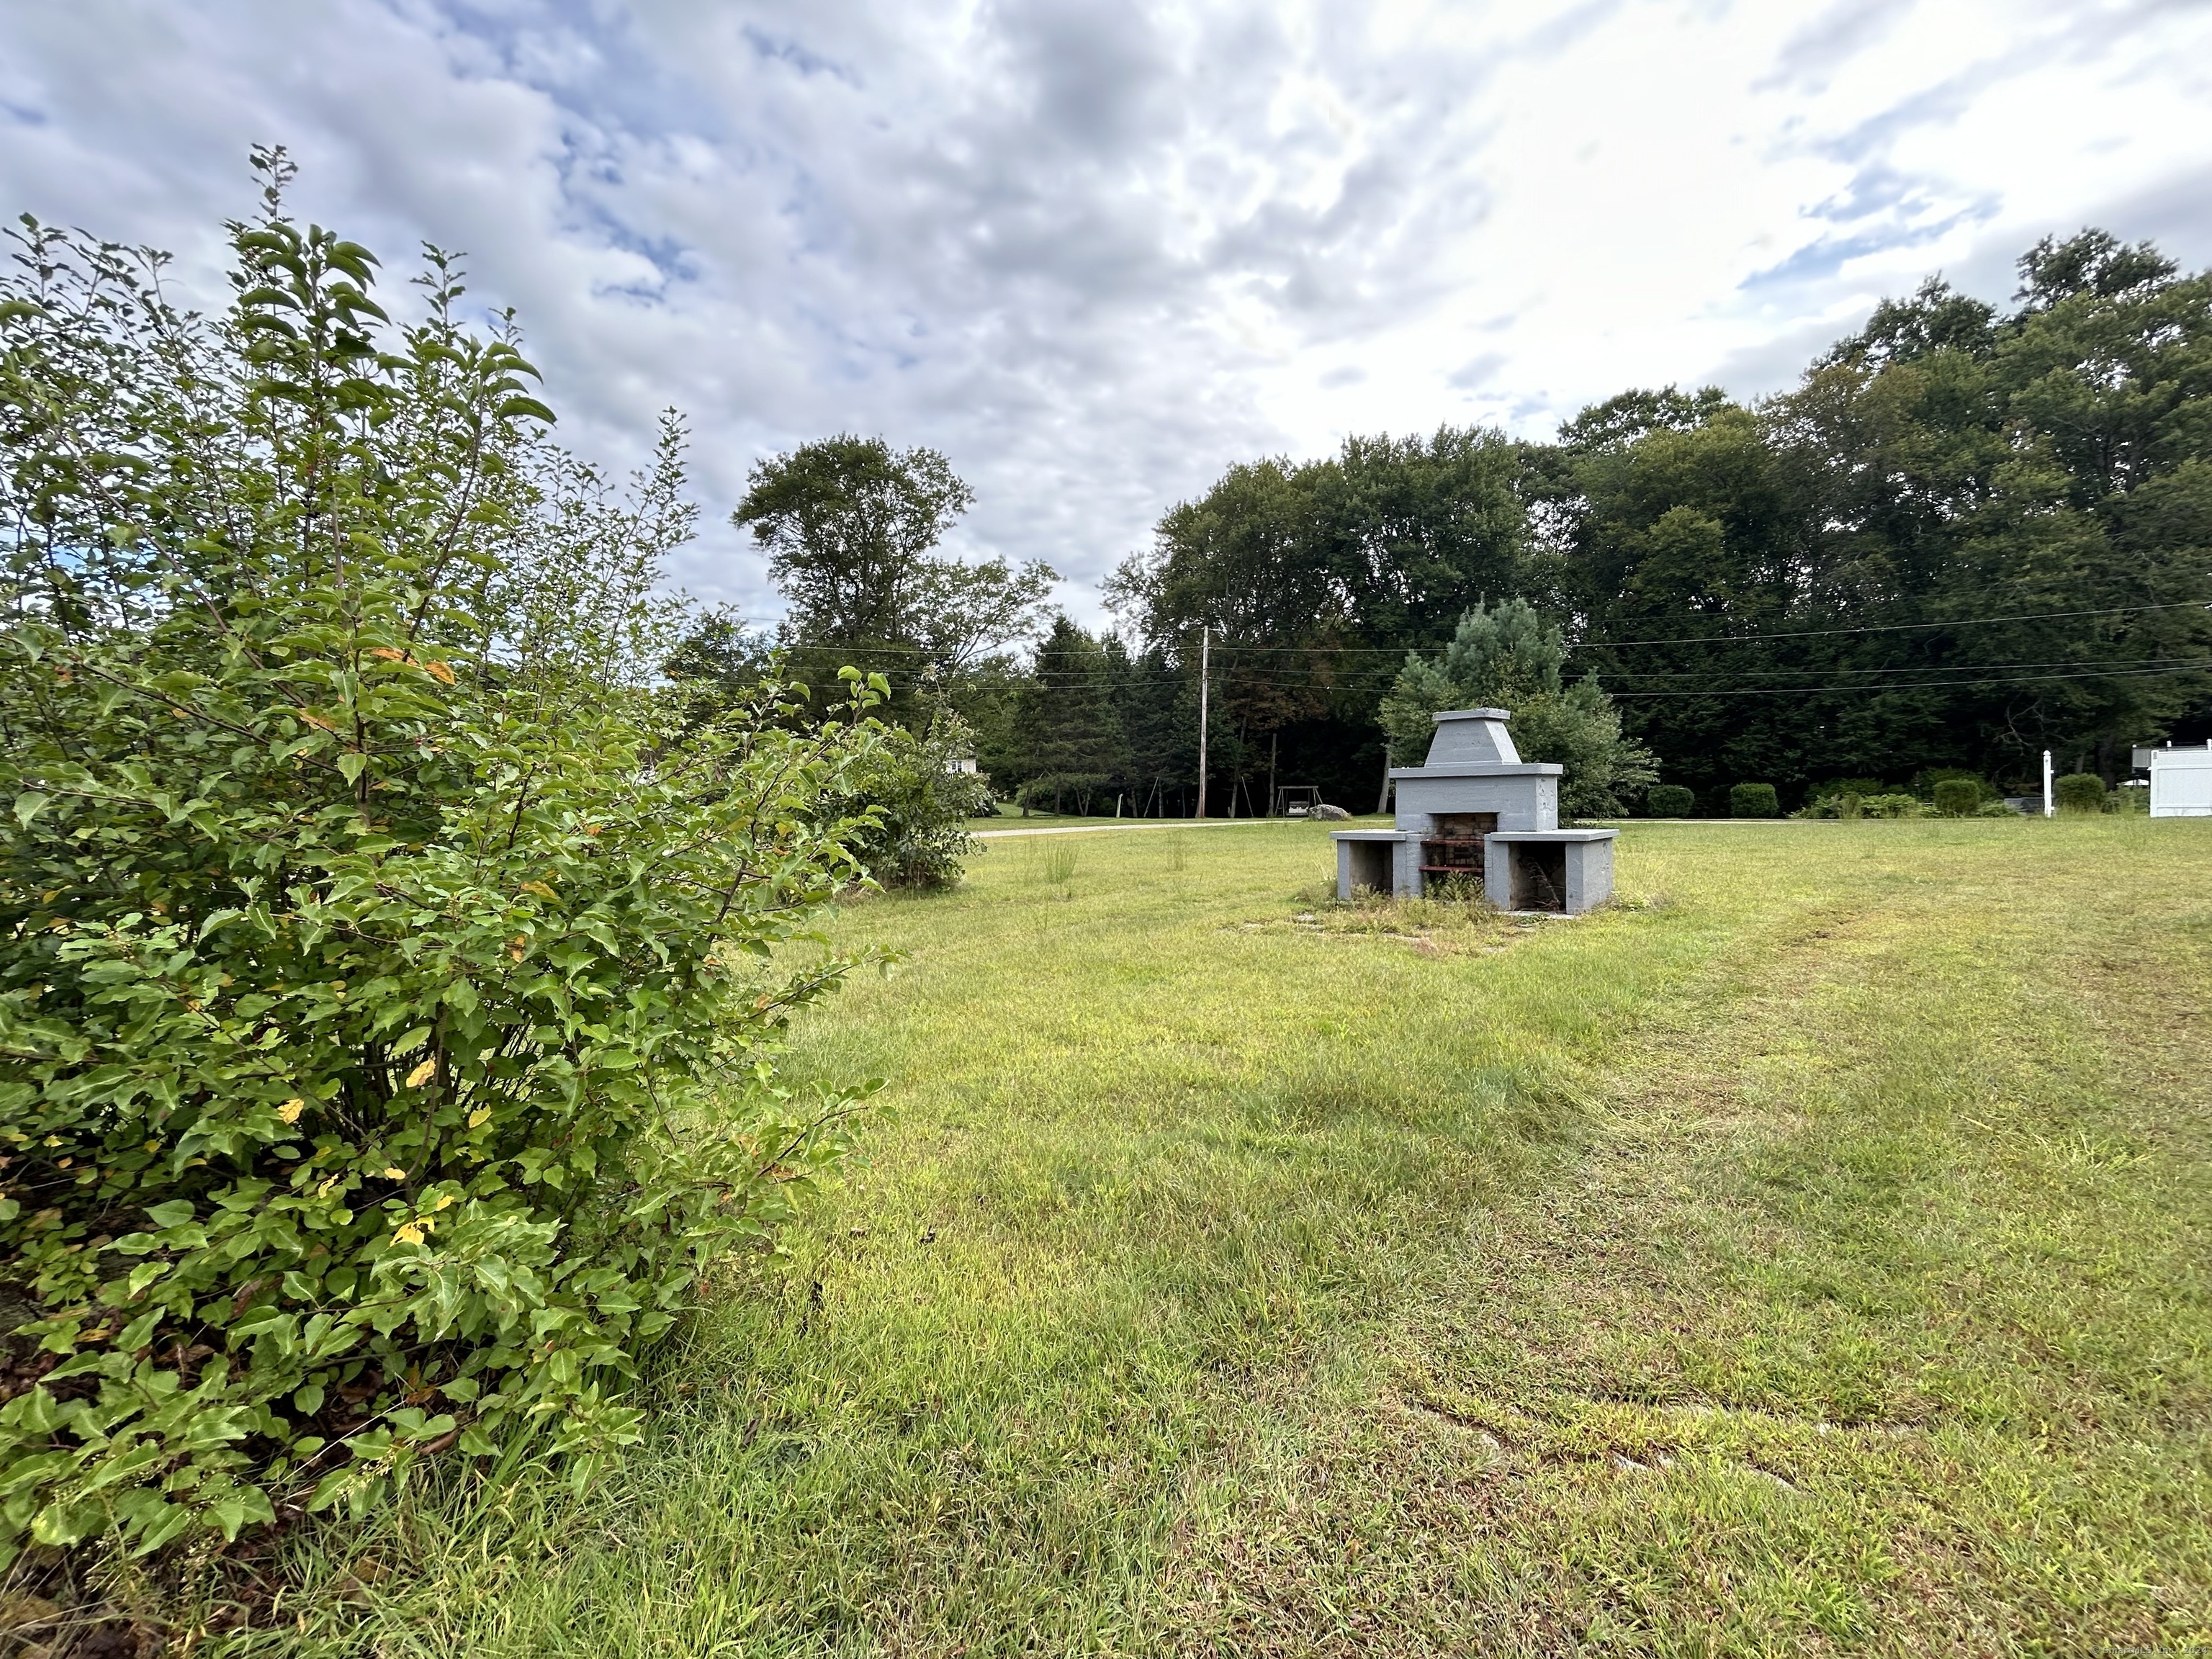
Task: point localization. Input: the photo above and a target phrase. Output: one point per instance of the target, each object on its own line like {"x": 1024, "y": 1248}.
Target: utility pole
{"x": 1205, "y": 667}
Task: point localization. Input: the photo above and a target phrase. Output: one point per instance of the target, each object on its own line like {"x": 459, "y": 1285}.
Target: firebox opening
{"x": 1540, "y": 876}
{"x": 1371, "y": 865}
{"x": 1453, "y": 847}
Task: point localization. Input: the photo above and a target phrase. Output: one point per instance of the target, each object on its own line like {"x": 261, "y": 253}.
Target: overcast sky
{"x": 1096, "y": 250}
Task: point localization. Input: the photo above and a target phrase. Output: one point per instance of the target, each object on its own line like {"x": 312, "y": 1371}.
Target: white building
{"x": 2180, "y": 781}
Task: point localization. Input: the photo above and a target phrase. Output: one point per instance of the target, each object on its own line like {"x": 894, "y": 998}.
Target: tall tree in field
{"x": 846, "y": 523}
{"x": 850, "y": 526}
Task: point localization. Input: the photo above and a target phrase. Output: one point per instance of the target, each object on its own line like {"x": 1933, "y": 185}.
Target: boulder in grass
{"x": 1333, "y": 814}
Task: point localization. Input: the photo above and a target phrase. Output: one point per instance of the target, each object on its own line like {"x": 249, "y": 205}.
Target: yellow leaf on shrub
{"x": 540, "y": 889}
{"x": 423, "y": 1073}
{"x": 438, "y": 671}
{"x": 395, "y": 1173}
{"x": 291, "y": 1110}
{"x": 389, "y": 654}
{"x": 479, "y": 1117}
{"x": 409, "y": 1234}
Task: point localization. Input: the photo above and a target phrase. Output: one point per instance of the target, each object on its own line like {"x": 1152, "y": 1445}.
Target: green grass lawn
{"x": 1807, "y": 1254}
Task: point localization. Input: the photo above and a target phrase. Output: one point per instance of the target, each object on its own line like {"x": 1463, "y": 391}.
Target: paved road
{"x": 1103, "y": 828}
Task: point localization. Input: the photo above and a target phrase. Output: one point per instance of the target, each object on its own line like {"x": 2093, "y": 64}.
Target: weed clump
{"x": 1059, "y": 861}
{"x": 1456, "y": 920}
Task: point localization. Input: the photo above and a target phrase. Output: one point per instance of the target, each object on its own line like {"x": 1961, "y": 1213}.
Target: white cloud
{"x": 1097, "y": 250}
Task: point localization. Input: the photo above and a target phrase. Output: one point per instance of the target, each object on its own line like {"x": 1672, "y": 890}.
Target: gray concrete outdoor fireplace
{"x": 1476, "y": 811}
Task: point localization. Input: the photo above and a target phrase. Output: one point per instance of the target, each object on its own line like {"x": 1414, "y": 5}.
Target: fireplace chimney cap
{"x": 1472, "y": 737}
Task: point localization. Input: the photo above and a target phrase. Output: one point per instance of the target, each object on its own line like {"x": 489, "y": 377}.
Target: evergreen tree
{"x": 1067, "y": 737}
{"x": 1158, "y": 707}
{"x": 1508, "y": 657}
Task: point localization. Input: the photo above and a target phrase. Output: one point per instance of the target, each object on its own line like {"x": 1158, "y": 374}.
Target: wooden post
{"x": 1205, "y": 663}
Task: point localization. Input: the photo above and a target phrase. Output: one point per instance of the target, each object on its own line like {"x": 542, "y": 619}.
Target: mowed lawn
{"x": 1807, "y": 1254}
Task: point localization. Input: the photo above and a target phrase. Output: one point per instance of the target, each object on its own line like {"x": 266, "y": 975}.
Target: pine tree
{"x": 1067, "y": 731}
{"x": 1507, "y": 656}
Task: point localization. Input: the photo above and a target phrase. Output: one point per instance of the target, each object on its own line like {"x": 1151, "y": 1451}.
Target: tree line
{"x": 1968, "y": 534}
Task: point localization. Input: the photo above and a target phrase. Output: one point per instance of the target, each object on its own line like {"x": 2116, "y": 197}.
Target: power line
{"x": 1914, "y": 685}
{"x": 2179, "y": 665}
{"x": 1735, "y": 639}
{"x": 1265, "y": 678}
{"x": 1588, "y": 645}
{"x": 1916, "y": 668}
{"x": 1899, "y": 628}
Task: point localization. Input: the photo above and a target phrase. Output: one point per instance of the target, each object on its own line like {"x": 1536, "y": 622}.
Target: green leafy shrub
{"x": 2080, "y": 792}
{"x": 914, "y": 805}
{"x": 1753, "y": 800}
{"x": 1958, "y": 798}
{"x": 1897, "y": 804}
{"x": 1930, "y": 779}
{"x": 1848, "y": 804}
{"x": 386, "y": 1009}
{"x": 1670, "y": 800}
{"x": 1860, "y": 786}
{"x": 1856, "y": 798}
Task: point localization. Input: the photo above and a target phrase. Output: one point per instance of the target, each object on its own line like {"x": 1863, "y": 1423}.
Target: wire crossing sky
{"x": 1097, "y": 249}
